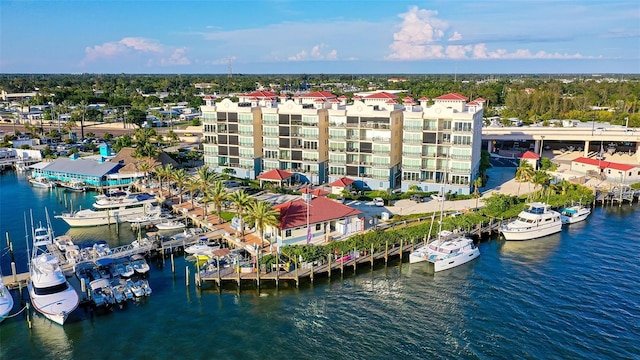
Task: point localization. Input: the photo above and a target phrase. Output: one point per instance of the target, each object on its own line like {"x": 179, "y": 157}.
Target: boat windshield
{"x": 529, "y": 221}
{"x": 51, "y": 289}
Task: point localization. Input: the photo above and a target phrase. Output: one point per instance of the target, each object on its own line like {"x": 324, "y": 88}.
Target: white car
{"x": 378, "y": 201}
{"x": 437, "y": 197}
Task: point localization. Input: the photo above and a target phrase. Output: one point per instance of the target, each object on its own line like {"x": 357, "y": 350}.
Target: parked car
{"x": 378, "y": 201}
{"x": 417, "y": 198}
{"x": 437, "y": 197}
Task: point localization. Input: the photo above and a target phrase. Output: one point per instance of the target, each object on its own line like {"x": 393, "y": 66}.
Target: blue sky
{"x": 309, "y": 36}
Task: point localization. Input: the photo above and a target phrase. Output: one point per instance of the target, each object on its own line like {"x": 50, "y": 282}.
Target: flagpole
{"x": 308, "y": 198}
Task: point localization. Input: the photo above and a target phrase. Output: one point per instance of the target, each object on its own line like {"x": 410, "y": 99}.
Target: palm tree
{"x": 205, "y": 178}
{"x": 192, "y": 186}
{"x": 144, "y": 167}
{"x": 261, "y": 215}
{"x": 476, "y": 184}
{"x": 164, "y": 172}
{"x": 524, "y": 173}
{"x": 180, "y": 177}
{"x": 540, "y": 177}
{"x": 241, "y": 201}
{"x": 218, "y": 195}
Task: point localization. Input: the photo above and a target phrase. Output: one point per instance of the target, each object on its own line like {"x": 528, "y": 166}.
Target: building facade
{"x": 441, "y": 143}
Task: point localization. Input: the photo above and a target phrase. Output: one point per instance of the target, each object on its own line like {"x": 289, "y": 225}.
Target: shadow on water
{"x": 530, "y": 252}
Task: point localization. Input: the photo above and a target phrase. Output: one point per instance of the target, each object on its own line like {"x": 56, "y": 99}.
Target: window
{"x": 287, "y": 233}
{"x": 318, "y": 226}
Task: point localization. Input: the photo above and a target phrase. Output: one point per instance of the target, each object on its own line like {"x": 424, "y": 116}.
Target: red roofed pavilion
{"x": 275, "y": 175}
{"x": 344, "y": 183}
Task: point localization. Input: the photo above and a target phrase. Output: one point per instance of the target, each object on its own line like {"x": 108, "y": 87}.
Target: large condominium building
{"x": 375, "y": 141}
{"x": 365, "y": 141}
{"x": 232, "y": 135}
{"x": 441, "y": 143}
{"x": 259, "y": 133}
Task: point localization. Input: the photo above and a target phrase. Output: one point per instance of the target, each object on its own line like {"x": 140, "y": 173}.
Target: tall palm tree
{"x": 144, "y": 166}
{"x": 524, "y": 173}
{"x": 218, "y": 195}
{"x": 180, "y": 177}
{"x": 477, "y": 183}
{"x": 192, "y": 186}
{"x": 241, "y": 201}
{"x": 205, "y": 178}
{"x": 261, "y": 215}
{"x": 164, "y": 172}
{"x": 540, "y": 178}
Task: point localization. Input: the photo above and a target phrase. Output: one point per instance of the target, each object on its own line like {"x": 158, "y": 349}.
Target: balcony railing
{"x": 381, "y": 139}
{"x": 375, "y": 126}
{"x": 387, "y": 151}
{"x": 340, "y": 137}
{"x": 337, "y": 149}
{"x": 461, "y": 157}
{"x": 412, "y": 141}
{"x": 411, "y": 154}
{"x": 335, "y": 124}
{"x": 412, "y": 128}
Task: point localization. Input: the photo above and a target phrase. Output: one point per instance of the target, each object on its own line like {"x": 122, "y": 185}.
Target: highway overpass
{"x": 587, "y": 135}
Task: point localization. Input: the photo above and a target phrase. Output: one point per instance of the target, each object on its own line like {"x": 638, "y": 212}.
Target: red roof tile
{"x": 472, "y": 103}
{"x": 530, "y": 155}
{"x": 320, "y": 94}
{"x": 342, "y": 182}
{"x": 261, "y": 94}
{"x": 424, "y": 98}
{"x": 209, "y": 97}
{"x": 381, "y": 95}
{"x": 589, "y": 161}
{"x": 452, "y": 96}
{"x": 480, "y": 100}
{"x": 623, "y": 167}
{"x": 316, "y": 192}
{"x": 294, "y": 213}
{"x": 275, "y": 174}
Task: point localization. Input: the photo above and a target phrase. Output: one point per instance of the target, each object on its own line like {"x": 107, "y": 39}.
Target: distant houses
{"x": 614, "y": 172}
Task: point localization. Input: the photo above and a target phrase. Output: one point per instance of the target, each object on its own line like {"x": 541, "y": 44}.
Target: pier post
{"x": 297, "y": 274}
{"x": 329, "y": 270}
{"x": 238, "y": 272}
{"x": 65, "y": 201}
{"x": 13, "y": 271}
{"x": 372, "y": 258}
{"x": 71, "y": 205}
{"x": 342, "y": 266}
{"x": 28, "y": 315}
{"x": 258, "y": 269}
{"x": 355, "y": 260}
{"x": 173, "y": 266}
{"x": 400, "y": 253}
{"x": 218, "y": 268}
{"x": 412, "y": 244}
{"x": 186, "y": 273}
{"x": 311, "y": 275}
{"x": 83, "y": 285}
{"x": 386, "y": 252}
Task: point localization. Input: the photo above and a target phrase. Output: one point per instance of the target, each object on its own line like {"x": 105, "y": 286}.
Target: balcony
{"x": 310, "y": 136}
{"x": 335, "y": 124}
{"x": 412, "y": 128}
{"x": 309, "y": 123}
{"x": 411, "y": 154}
{"x": 352, "y": 150}
{"x": 353, "y": 125}
{"x": 412, "y": 166}
{"x": 381, "y": 139}
{"x": 245, "y": 121}
{"x": 375, "y": 126}
{"x": 308, "y": 159}
{"x": 412, "y": 141}
{"x": 377, "y": 151}
{"x": 337, "y": 150}
{"x": 461, "y": 157}
{"x": 460, "y": 171}
{"x": 338, "y": 137}
{"x": 380, "y": 165}
{"x": 337, "y": 161}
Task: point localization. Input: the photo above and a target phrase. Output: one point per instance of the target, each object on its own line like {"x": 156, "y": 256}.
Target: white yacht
{"x": 446, "y": 254}
{"x": 170, "y": 225}
{"x": 139, "y": 264}
{"x": 6, "y": 300}
{"x": 50, "y": 292}
{"x": 41, "y": 182}
{"x": 536, "y": 221}
{"x": 574, "y": 214}
{"x": 109, "y": 210}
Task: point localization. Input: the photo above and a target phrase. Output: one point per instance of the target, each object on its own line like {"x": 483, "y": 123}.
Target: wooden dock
{"x": 325, "y": 268}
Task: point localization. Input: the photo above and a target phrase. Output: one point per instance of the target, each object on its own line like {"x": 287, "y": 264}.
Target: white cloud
{"x": 456, "y": 36}
{"x": 421, "y": 37}
{"x": 317, "y": 52}
{"x": 155, "y": 52}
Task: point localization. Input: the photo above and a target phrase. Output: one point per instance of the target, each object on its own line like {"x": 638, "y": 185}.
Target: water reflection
{"x": 51, "y": 338}
{"x": 530, "y": 252}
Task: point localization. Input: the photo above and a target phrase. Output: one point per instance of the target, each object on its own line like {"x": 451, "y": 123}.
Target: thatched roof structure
{"x": 127, "y": 156}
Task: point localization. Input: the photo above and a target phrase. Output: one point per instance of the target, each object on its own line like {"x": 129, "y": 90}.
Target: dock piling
{"x": 173, "y": 265}
{"x": 186, "y": 278}
{"x": 13, "y": 271}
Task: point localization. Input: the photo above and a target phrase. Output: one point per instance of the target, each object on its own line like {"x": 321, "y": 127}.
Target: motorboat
{"x": 147, "y": 220}
{"x": 62, "y": 242}
{"x": 101, "y": 249}
{"x": 111, "y": 210}
{"x": 50, "y": 292}
{"x": 187, "y": 235}
{"x": 536, "y": 221}
{"x": 72, "y": 254}
{"x": 118, "y": 292}
{"x": 446, "y": 254}
{"x": 122, "y": 286}
{"x": 75, "y": 186}
{"x": 125, "y": 269}
{"x": 41, "y": 182}
{"x": 202, "y": 247}
{"x": 139, "y": 264}
{"x": 101, "y": 293}
{"x": 170, "y": 225}
{"x": 144, "y": 285}
{"x": 6, "y": 301}
{"x": 135, "y": 288}
{"x": 574, "y": 214}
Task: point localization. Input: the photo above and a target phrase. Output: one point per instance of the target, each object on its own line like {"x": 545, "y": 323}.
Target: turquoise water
{"x": 573, "y": 295}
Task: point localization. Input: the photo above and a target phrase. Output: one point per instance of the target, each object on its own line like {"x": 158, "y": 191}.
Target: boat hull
{"x": 55, "y": 307}
{"x": 450, "y": 263}
{"x": 522, "y": 234}
{"x": 97, "y": 218}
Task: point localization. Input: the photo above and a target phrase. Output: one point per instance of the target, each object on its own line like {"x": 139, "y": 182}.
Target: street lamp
{"x": 541, "y": 145}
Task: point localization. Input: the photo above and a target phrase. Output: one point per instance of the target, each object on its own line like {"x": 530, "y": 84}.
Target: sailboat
{"x": 444, "y": 254}
{"x": 50, "y": 292}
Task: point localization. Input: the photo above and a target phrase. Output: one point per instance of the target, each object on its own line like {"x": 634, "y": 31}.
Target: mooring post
{"x": 371, "y": 254}
{"x": 342, "y": 265}
{"x": 186, "y": 277}
{"x": 329, "y": 269}
{"x": 386, "y": 252}
{"x": 173, "y": 266}
{"x": 311, "y": 276}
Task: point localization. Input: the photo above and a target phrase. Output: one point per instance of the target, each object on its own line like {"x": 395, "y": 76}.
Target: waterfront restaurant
{"x": 92, "y": 172}
{"x": 319, "y": 221}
